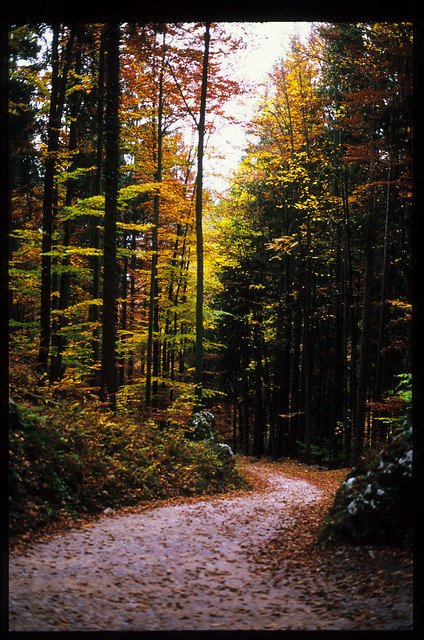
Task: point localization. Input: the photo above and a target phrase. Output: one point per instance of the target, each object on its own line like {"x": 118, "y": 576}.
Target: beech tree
{"x": 59, "y": 76}
{"x": 97, "y": 191}
{"x": 152, "y": 361}
{"x": 199, "y": 221}
{"x": 109, "y": 324}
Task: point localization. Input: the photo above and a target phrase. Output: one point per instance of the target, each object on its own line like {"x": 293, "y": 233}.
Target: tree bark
{"x": 108, "y": 364}
{"x": 152, "y": 346}
{"x": 124, "y": 314}
{"x": 307, "y": 345}
{"x": 95, "y": 262}
{"x": 258, "y": 438}
{"x": 199, "y": 224}
{"x": 379, "y": 378}
{"x": 56, "y": 368}
{"x": 363, "y": 374}
{"x": 57, "y": 99}
{"x": 245, "y": 393}
{"x": 336, "y": 405}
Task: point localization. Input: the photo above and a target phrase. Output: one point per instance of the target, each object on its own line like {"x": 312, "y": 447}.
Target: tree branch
{"x": 182, "y": 95}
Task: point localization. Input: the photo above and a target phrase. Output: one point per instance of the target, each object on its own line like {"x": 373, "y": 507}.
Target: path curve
{"x": 187, "y": 566}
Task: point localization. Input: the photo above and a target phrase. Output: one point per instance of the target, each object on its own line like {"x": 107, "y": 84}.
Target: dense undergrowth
{"x": 72, "y": 457}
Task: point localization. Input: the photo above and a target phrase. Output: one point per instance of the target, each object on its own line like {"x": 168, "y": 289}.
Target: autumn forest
{"x": 283, "y": 306}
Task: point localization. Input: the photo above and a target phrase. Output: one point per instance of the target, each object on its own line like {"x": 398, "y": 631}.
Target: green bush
{"x": 75, "y": 458}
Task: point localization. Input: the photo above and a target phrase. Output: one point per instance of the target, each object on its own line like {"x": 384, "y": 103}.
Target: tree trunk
{"x": 279, "y": 439}
{"x": 130, "y": 372}
{"x": 350, "y": 321}
{"x": 124, "y": 316}
{"x": 235, "y": 408}
{"x": 94, "y": 230}
{"x": 336, "y": 405}
{"x": 108, "y": 366}
{"x": 363, "y": 374}
{"x": 152, "y": 345}
{"x": 245, "y": 392}
{"x": 57, "y": 370}
{"x": 296, "y": 400}
{"x": 57, "y": 99}
{"x": 380, "y": 357}
{"x": 307, "y": 349}
{"x": 199, "y": 224}
{"x": 258, "y": 439}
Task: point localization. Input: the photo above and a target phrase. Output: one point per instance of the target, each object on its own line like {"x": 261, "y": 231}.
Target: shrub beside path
{"x": 239, "y": 561}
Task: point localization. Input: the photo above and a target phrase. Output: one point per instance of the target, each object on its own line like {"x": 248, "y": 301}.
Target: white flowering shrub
{"x": 374, "y": 503}
{"x": 202, "y": 427}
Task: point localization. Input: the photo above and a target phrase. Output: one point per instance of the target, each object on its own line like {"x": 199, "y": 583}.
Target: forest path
{"x": 194, "y": 565}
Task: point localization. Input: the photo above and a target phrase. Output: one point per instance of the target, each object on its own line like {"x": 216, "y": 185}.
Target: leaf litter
{"x": 238, "y": 561}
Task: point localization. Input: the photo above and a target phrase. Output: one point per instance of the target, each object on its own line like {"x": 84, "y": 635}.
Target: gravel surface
{"x": 187, "y": 566}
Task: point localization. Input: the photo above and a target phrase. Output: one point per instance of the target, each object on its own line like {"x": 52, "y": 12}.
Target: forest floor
{"x": 239, "y": 561}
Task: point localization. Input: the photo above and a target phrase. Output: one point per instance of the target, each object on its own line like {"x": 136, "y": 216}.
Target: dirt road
{"x": 189, "y": 566}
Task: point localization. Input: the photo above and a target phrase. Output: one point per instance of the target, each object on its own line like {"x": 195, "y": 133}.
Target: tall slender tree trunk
{"x": 289, "y": 428}
{"x": 95, "y": 262}
{"x": 57, "y": 370}
{"x": 152, "y": 345}
{"x": 363, "y": 374}
{"x": 307, "y": 348}
{"x": 307, "y": 363}
{"x": 57, "y": 99}
{"x": 130, "y": 373}
{"x": 379, "y": 378}
{"x": 245, "y": 393}
{"x": 258, "y": 437}
{"x": 325, "y": 370}
{"x": 351, "y": 320}
{"x": 336, "y": 404}
{"x": 109, "y": 320}
{"x": 296, "y": 399}
{"x": 124, "y": 315}
{"x": 269, "y": 417}
{"x": 199, "y": 223}
{"x": 278, "y": 405}
{"x": 54, "y": 291}
{"x": 235, "y": 409}
{"x": 347, "y": 419}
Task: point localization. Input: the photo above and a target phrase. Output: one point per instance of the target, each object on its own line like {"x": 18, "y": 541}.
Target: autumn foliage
{"x": 313, "y": 258}
{"x": 73, "y": 458}
{"x": 137, "y": 296}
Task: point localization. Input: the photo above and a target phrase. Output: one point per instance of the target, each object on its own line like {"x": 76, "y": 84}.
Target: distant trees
{"x": 320, "y": 208}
